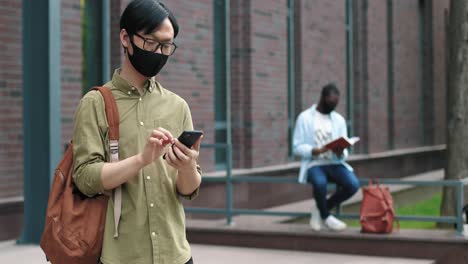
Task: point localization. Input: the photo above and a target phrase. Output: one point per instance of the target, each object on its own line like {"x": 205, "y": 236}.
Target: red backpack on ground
{"x": 377, "y": 209}
{"x": 74, "y": 228}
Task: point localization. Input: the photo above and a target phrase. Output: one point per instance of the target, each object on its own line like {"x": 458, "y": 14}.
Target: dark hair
{"x": 328, "y": 89}
{"x": 146, "y": 15}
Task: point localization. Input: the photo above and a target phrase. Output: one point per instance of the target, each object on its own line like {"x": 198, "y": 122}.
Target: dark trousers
{"x": 346, "y": 185}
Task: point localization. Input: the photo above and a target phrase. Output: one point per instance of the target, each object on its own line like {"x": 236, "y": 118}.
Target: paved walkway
{"x": 205, "y": 254}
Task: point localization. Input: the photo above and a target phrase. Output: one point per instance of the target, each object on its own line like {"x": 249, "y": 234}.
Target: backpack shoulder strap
{"x": 112, "y": 115}
{"x": 112, "y": 112}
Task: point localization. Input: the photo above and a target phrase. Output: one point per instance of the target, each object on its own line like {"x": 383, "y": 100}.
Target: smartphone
{"x": 188, "y": 138}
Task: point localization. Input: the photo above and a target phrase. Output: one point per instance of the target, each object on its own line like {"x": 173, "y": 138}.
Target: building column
{"x": 361, "y": 75}
{"x": 427, "y": 76}
{"x": 41, "y": 110}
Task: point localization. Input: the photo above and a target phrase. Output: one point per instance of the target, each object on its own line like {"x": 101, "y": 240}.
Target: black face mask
{"x": 147, "y": 63}
{"x": 328, "y": 107}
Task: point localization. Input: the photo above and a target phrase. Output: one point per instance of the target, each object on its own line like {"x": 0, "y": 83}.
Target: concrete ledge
{"x": 428, "y": 244}
{"x": 11, "y": 218}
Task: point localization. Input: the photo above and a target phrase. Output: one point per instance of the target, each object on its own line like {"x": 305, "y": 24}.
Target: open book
{"x": 342, "y": 143}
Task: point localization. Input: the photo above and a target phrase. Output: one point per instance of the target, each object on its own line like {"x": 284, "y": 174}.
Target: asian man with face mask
{"x": 147, "y": 225}
{"x": 314, "y": 128}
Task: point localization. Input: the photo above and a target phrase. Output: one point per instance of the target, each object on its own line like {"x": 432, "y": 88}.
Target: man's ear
{"x": 124, "y": 38}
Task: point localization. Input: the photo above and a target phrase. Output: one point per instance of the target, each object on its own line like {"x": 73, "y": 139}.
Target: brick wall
{"x": 11, "y": 103}
{"x": 269, "y": 75}
{"x": 371, "y": 101}
{"x": 377, "y": 106}
{"x": 323, "y": 49}
{"x": 71, "y": 66}
{"x": 241, "y": 80}
{"x": 259, "y": 82}
{"x": 440, "y": 81}
{"x": 407, "y": 70}
{"x": 259, "y": 73}
{"x": 189, "y": 73}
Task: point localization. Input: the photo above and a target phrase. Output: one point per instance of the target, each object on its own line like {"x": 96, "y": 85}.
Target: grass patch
{"x": 427, "y": 207}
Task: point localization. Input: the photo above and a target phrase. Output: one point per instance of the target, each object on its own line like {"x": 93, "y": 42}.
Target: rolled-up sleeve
{"x": 88, "y": 145}
{"x": 188, "y": 125}
{"x": 300, "y": 145}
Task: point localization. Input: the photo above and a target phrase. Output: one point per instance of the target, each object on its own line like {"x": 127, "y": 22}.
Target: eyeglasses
{"x": 152, "y": 45}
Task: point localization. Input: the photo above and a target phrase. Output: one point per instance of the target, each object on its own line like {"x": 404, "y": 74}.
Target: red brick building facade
{"x": 398, "y": 70}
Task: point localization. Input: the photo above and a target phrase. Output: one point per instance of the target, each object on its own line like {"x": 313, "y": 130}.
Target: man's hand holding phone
{"x": 184, "y": 152}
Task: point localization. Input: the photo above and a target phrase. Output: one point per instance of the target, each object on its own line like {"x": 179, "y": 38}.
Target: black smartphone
{"x": 188, "y": 138}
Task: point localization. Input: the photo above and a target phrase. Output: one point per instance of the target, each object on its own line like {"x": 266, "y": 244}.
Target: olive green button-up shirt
{"x": 152, "y": 224}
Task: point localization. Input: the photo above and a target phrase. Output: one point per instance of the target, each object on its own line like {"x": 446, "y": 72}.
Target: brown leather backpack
{"x": 74, "y": 227}
{"x": 377, "y": 210}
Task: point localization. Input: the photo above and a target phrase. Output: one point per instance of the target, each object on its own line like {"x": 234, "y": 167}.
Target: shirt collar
{"x": 123, "y": 85}
{"x": 315, "y": 111}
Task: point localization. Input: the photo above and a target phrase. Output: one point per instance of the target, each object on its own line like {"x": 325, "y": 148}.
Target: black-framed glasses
{"x": 152, "y": 46}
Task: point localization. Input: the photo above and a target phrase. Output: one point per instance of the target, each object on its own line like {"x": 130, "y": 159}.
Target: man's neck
{"x": 132, "y": 76}
{"x": 320, "y": 108}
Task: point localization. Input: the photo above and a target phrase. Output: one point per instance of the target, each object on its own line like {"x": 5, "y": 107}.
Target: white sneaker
{"x": 333, "y": 224}
{"x": 315, "y": 219}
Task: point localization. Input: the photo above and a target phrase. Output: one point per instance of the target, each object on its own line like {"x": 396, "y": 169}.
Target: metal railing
{"x": 229, "y": 211}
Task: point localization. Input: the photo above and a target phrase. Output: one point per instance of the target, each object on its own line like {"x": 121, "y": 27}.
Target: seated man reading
{"x": 315, "y": 127}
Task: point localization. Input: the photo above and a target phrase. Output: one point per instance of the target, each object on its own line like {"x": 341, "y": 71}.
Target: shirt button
{"x": 129, "y": 93}
{"x": 140, "y": 99}
{"x": 141, "y": 123}
{"x": 133, "y": 88}
{"x": 148, "y": 177}
{"x": 151, "y": 204}
{"x": 153, "y": 233}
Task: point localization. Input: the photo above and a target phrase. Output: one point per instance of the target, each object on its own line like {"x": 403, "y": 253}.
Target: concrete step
{"x": 440, "y": 245}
